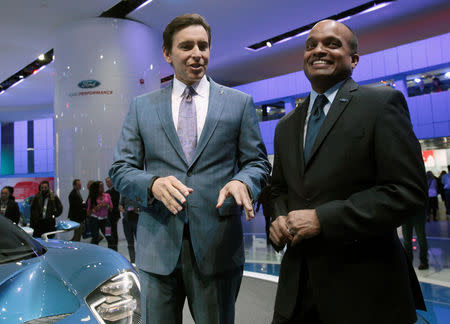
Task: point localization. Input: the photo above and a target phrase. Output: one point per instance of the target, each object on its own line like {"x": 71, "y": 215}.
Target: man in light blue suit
{"x": 192, "y": 155}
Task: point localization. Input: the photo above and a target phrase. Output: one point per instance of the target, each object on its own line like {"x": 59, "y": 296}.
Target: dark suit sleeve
{"x": 58, "y": 207}
{"x": 400, "y": 188}
{"x": 278, "y": 184}
{"x": 254, "y": 167}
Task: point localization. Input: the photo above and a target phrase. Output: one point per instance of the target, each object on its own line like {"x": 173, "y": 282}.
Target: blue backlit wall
{"x": 430, "y": 114}
{"x": 27, "y": 147}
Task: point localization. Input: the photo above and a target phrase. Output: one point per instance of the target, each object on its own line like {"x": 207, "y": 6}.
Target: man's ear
{"x": 167, "y": 55}
{"x": 355, "y": 60}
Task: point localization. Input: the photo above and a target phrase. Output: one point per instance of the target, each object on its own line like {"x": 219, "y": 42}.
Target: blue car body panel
{"x": 56, "y": 282}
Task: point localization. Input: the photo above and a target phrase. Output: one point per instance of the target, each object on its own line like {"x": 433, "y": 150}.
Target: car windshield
{"x": 15, "y": 244}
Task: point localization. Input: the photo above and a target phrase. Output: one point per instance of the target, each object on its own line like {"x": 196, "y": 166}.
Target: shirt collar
{"x": 201, "y": 87}
{"x": 330, "y": 93}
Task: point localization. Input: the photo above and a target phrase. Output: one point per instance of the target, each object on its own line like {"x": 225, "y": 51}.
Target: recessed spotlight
{"x": 268, "y": 44}
{"x": 20, "y": 76}
{"x": 417, "y": 80}
{"x": 447, "y": 75}
{"x": 41, "y": 57}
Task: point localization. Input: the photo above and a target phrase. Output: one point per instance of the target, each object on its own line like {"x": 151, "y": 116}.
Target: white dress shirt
{"x": 201, "y": 101}
{"x": 330, "y": 94}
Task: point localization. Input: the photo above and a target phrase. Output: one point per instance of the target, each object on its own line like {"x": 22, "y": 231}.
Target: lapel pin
{"x": 343, "y": 100}
{"x": 221, "y": 92}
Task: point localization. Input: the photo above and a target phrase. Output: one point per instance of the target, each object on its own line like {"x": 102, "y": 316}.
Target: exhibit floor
{"x": 257, "y": 294}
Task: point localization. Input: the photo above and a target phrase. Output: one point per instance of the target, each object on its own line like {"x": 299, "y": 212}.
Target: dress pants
{"x": 211, "y": 299}
{"x": 130, "y": 230}
{"x": 417, "y": 222}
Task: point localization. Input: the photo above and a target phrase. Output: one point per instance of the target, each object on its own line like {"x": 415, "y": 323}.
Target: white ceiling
{"x": 28, "y": 29}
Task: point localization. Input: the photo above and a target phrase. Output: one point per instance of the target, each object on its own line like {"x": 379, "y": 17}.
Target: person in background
{"x": 9, "y": 207}
{"x": 265, "y": 202}
{"x": 114, "y": 214}
{"x": 98, "y": 206}
{"x": 418, "y": 223}
{"x": 130, "y": 210}
{"x": 446, "y": 183}
{"x": 11, "y": 193}
{"x": 441, "y": 189}
{"x": 45, "y": 207}
{"x": 432, "y": 207}
{"x": 77, "y": 209}
{"x": 437, "y": 85}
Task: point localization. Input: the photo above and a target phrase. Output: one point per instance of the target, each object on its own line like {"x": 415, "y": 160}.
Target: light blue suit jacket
{"x": 229, "y": 147}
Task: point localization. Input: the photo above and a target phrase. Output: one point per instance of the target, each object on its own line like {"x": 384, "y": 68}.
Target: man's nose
{"x": 196, "y": 53}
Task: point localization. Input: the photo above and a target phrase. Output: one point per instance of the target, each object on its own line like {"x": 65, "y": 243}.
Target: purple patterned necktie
{"x": 187, "y": 124}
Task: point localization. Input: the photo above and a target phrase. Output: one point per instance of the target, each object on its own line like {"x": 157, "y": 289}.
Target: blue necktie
{"x": 187, "y": 124}
{"x": 315, "y": 121}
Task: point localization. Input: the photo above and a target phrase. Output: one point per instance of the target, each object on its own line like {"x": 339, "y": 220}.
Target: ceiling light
{"x": 2, "y": 92}
{"x": 376, "y": 7}
{"x": 20, "y": 81}
{"x": 417, "y": 80}
{"x": 20, "y": 76}
{"x": 342, "y": 16}
{"x": 41, "y": 57}
{"x": 447, "y": 75}
{"x": 143, "y": 5}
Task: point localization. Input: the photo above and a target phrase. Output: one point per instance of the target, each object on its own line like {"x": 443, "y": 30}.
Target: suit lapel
{"x": 215, "y": 107}
{"x": 164, "y": 111}
{"x": 340, "y": 102}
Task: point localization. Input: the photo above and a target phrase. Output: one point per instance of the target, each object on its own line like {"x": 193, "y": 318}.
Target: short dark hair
{"x": 43, "y": 182}
{"x": 75, "y": 181}
{"x": 10, "y": 189}
{"x": 353, "y": 42}
{"x": 182, "y": 22}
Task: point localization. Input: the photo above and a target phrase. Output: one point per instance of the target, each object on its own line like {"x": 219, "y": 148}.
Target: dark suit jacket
{"x": 114, "y": 214}
{"x": 12, "y": 211}
{"x": 77, "y": 209}
{"x": 365, "y": 178}
{"x": 54, "y": 209}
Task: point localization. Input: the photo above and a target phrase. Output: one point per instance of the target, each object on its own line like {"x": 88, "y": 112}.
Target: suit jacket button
{"x": 189, "y": 173}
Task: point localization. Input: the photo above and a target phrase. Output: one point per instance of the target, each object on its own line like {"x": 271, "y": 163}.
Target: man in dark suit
{"x": 77, "y": 209}
{"x": 114, "y": 214}
{"x": 347, "y": 172}
{"x": 190, "y": 154}
{"x": 9, "y": 207}
{"x": 45, "y": 207}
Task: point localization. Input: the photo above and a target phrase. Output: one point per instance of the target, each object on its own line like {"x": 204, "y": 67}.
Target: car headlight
{"x": 117, "y": 301}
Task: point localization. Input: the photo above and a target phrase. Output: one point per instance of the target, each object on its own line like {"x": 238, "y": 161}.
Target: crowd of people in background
{"x": 98, "y": 215}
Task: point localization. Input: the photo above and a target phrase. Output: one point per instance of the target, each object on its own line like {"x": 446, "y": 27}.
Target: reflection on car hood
{"x": 57, "y": 282}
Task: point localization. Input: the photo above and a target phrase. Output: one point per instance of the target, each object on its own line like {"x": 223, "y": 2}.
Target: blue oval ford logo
{"x": 86, "y": 84}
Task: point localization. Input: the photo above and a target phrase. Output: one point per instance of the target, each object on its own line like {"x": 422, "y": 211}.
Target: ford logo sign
{"x": 87, "y": 84}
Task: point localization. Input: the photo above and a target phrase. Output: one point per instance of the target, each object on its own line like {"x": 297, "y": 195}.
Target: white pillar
{"x": 100, "y": 65}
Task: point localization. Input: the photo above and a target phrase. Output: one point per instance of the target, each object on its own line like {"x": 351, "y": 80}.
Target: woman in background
{"x": 98, "y": 205}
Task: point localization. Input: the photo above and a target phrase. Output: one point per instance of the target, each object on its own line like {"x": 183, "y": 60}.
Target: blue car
{"x": 52, "y": 281}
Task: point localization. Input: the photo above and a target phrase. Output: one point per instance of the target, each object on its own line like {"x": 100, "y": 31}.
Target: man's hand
{"x": 240, "y": 193}
{"x": 278, "y": 232}
{"x": 302, "y": 224}
{"x": 171, "y": 191}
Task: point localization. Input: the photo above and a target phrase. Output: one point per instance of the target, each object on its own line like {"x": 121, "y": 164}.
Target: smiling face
{"x": 328, "y": 58}
{"x": 189, "y": 54}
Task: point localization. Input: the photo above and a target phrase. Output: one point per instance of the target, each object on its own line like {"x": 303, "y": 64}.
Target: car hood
{"x": 56, "y": 282}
